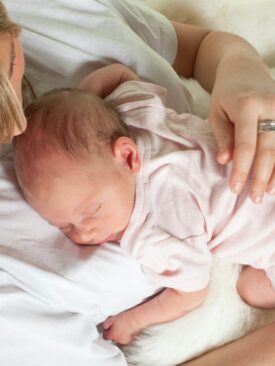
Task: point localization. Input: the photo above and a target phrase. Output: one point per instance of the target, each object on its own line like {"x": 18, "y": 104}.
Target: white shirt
{"x": 64, "y": 40}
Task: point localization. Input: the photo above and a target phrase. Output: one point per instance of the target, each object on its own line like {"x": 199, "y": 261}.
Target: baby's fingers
{"x": 108, "y": 323}
{"x": 108, "y": 335}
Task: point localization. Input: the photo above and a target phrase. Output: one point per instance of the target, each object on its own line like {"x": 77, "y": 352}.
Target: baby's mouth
{"x": 115, "y": 237}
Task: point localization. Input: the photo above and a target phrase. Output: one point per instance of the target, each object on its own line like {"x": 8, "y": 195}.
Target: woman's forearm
{"x": 255, "y": 349}
{"x": 202, "y": 52}
{"x": 225, "y": 53}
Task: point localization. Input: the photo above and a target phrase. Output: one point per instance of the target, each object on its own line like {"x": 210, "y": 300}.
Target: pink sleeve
{"x": 182, "y": 265}
{"x": 138, "y": 94}
{"x": 176, "y": 252}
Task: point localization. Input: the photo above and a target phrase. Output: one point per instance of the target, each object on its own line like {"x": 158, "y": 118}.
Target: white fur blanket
{"x": 223, "y": 317}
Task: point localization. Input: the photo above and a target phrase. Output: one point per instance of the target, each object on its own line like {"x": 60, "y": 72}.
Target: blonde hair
{"x": 73, "y": 122}
{"x": 11, "y": 113}
{"x": 6, "y": 24}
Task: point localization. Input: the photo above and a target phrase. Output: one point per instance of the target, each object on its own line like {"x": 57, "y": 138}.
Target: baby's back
{"x": 182, "y": 169}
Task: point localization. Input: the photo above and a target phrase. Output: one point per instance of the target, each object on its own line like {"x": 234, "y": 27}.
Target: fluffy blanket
{"x": 224, "y": 316}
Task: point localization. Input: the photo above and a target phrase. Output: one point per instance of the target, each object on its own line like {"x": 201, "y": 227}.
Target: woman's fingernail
{"x": 236, "y": 187}
{"x": 271, "y": 190}
{"x": 223, "y": 157}
{"x": 257, "y": 198}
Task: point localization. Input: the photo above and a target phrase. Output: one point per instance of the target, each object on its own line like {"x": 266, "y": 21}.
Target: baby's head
{"x": 76, "y": 165}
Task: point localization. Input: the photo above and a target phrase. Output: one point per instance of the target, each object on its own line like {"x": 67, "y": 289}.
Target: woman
{"x": 227, "y": 65}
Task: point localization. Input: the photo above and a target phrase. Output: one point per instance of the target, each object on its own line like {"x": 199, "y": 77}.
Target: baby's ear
{"x": 125, "y": 152}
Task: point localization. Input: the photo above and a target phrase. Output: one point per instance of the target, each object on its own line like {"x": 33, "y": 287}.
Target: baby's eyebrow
{"x": 12, "y": 58}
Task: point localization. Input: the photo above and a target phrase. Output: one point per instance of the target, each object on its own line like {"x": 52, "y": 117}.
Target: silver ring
{"x": 266, "y": 125}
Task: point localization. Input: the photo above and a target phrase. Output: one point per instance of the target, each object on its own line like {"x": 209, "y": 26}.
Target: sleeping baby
{"x": 108, "y": 162}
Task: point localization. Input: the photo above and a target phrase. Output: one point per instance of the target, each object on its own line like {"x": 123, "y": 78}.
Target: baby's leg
{"x": 255, "y": 288}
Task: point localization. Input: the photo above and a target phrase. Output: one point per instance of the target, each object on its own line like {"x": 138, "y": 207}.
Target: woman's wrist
{"x": 245, "y": 63}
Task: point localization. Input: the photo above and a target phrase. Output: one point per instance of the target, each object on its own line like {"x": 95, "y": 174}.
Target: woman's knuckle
{"x": 248, "y": 101}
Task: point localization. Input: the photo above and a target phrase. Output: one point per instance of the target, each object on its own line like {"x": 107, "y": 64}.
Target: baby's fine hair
{"x": 69, "y": 121}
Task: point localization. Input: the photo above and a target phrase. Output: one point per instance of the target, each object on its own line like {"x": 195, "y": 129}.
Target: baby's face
{"x": 90, "y": 202}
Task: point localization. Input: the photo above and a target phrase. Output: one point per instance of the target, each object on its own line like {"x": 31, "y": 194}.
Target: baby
{"x": 127, "y": 169}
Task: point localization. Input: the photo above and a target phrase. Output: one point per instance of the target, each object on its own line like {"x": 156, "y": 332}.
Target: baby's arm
{"x": 103, "y": 81}
{"x": 169, "y": 305}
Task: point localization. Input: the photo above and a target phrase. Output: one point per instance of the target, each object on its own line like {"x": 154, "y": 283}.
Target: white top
{"x": 184, "y": 210}
{"x": 65, "y": 40}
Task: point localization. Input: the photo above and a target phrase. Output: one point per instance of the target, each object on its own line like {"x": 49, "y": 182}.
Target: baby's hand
{"x": 121, "y": 328}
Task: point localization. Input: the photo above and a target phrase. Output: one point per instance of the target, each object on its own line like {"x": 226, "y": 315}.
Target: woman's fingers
{"x": 224, "y": 133}
{"x": 236, "y": 140}
{"x": 251, "y": 153}
{"x": 271, "y": 184}
{"x": 263, "y": 170}
{"x": 245, "y": 145}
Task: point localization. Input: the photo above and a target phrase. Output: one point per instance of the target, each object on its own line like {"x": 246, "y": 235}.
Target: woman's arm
{"x": 169, "y": 305}
{"x": 201, "y": 51}
{"x": 243, "y": 93}
{"x": 103, "y": 81}
{"x": 255, "y": 349}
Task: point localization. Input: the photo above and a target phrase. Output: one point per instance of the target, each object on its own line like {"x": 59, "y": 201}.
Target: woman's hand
{"x": 243, "y": 95}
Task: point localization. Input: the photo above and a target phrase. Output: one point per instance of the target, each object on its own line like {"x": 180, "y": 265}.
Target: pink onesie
{"x": 185, "y": 213}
